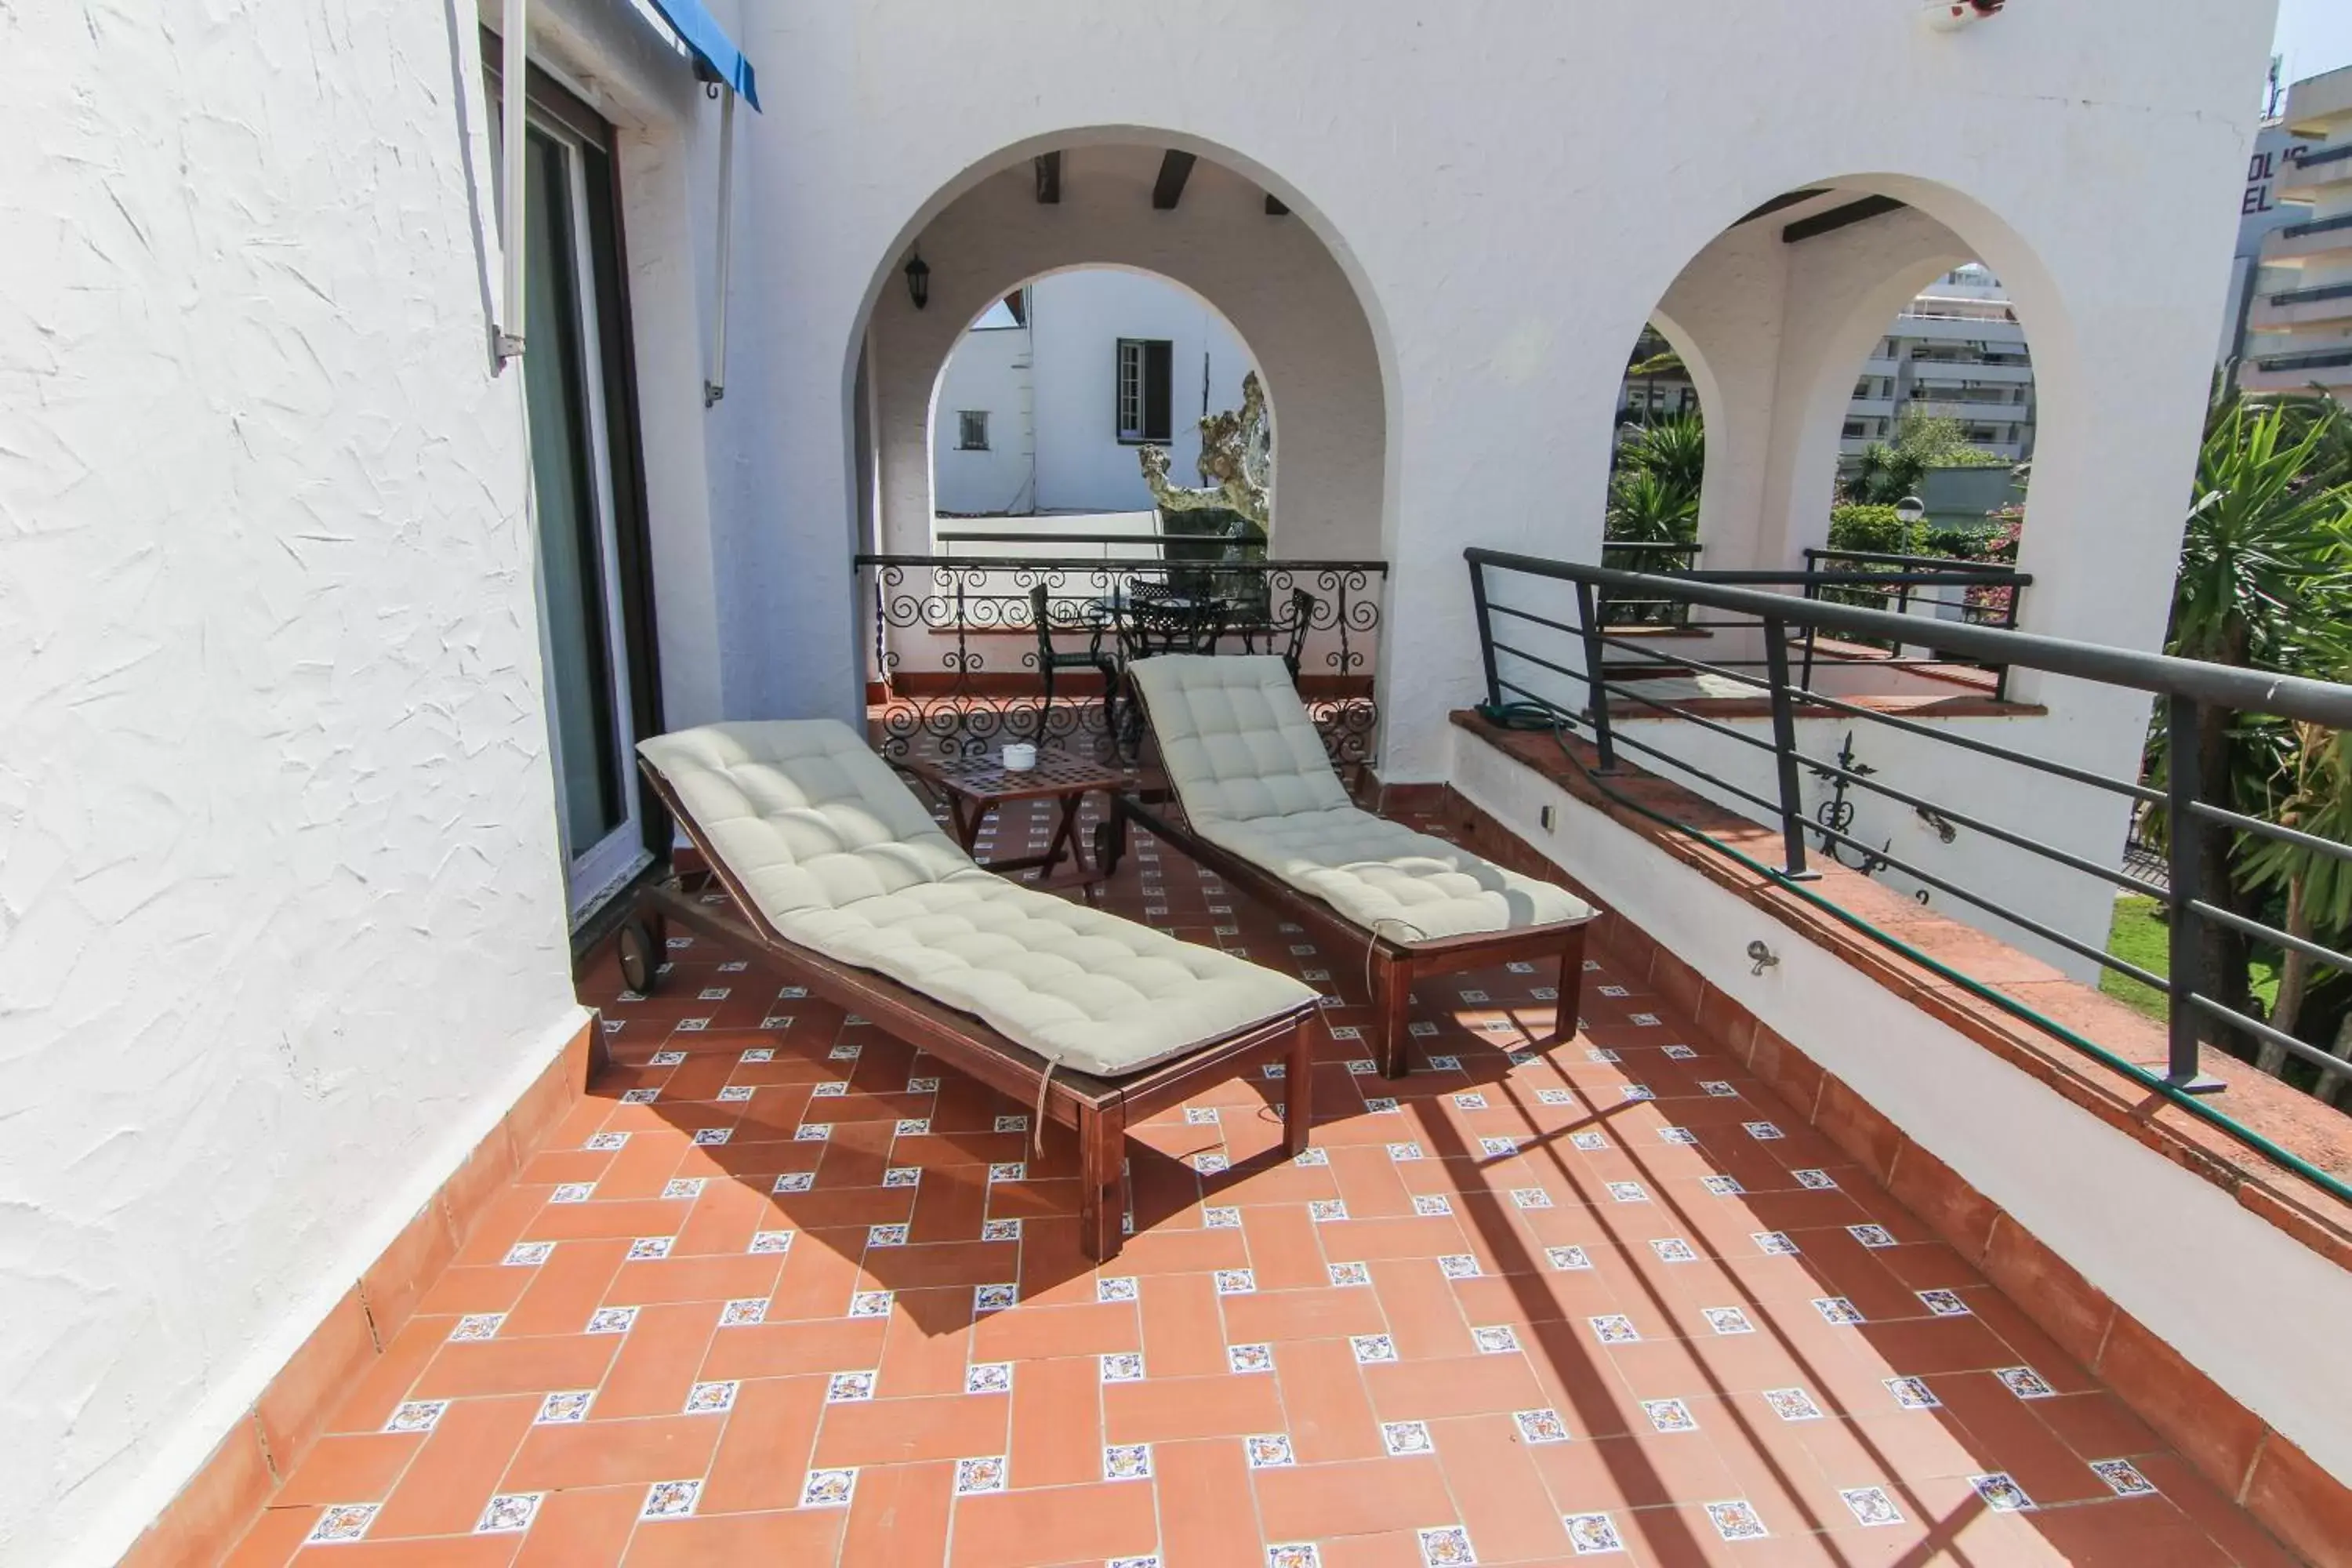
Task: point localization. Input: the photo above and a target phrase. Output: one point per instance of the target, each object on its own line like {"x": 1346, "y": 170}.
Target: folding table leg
{"x": 1102, "y": 1180}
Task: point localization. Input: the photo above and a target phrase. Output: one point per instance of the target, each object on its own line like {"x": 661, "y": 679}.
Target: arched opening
{"x": 1074, "y": 407}
{"x": 1837, "y": 340}
{"x": 1085, "y": 307}
{"x": 1943, "y": 414}
{"x": 1657, "y": 471}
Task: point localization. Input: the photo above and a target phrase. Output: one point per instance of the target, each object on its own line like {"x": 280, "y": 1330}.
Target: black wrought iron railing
{"x": 968, "y": 651}
{"x": 1551, "y": 662}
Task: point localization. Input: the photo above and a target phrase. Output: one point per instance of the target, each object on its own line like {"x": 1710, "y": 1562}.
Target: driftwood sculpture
{"x": 1236, "y": 462}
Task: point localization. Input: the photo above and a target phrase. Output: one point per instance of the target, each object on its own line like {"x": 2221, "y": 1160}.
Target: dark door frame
{"x": 624, "y": 441}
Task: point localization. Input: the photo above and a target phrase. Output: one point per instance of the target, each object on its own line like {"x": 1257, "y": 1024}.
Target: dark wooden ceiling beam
{"x": 1048, "y": 168}
{"x": 1785, "y": 199}
{"x": 1175, "y": 168}
{"x": 1836, "y": 218}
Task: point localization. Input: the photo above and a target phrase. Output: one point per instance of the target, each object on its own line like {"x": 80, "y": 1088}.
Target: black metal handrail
{"x": 1547, "y": 660}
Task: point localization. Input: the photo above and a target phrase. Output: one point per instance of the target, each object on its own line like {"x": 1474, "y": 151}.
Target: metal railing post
{"x": 1784, "y": 752}
{"x": 2184, "y": 722}
{"x": 1812, "y": 591}
{"x": 1485, "y": 635}
{"x": 1596, "y": 682}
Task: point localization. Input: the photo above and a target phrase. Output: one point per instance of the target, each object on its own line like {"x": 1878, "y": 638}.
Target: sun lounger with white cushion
{"x": 843, "y": 881}
{"x": 1263, "y": 805}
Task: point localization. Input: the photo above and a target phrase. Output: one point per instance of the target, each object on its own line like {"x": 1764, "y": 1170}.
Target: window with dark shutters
{"x": 1144, "y": 396}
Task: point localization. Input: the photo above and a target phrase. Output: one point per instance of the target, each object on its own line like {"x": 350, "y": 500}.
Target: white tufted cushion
{"x": 841, "y": 857}
{"x": 1249, "y": 765}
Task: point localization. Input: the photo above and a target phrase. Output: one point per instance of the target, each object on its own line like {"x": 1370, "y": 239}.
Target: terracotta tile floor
{"x": 747, "y": 1306}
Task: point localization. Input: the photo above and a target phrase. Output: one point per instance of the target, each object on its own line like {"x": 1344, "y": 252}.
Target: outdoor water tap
{"x": 1762, "y": 957}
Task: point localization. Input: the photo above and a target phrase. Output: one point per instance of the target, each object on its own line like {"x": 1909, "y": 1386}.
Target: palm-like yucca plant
{"x": 1672, "y": 449}
{"x": 2318, "y": 886}
{"x": 1647, "y": 508}
{"x": 2262, "y": 585}
{"x": 2262, "y": 536}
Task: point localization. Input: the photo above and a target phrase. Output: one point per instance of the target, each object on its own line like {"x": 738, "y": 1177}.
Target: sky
{"x": 2314, "y": 35}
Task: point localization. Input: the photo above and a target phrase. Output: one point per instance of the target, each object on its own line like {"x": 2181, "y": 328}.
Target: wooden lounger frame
{"x": 1099, "y": 1108}
{"x": 1395, "y": 963}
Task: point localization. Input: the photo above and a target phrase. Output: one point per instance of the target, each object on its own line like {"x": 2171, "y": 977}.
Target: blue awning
{"x": 716, "y": 57}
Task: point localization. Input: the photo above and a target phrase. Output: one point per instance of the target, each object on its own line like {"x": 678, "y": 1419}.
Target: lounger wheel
{"x": 1111, "y": 844}
{"x": 644, "y": 944}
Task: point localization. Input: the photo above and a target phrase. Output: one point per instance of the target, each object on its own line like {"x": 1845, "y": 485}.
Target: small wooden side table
{"x": 974, "y": 786}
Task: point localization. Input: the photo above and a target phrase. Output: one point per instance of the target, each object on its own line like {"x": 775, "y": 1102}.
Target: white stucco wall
{"x": 2171, "y": 1249}
{"x": 1473, "y": 182}
{"x": 282, "y": 930}
{"x": 1049, "y": 388}
{"x": 1082, "y": 465}
{"x": 990, "y": 371}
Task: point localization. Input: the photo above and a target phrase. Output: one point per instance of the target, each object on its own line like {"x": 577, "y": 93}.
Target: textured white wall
{"x": 990, "y": 372}
{"x": 2171, "y": 1249}
{"x": 1475, "y": 183}
{"x": 281, "y": 927}
{"x": 1082, "y": 464}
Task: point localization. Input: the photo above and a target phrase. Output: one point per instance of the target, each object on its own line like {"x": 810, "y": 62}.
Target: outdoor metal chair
{"x": 1095, "y": 657}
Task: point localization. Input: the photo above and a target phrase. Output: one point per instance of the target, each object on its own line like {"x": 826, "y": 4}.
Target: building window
{"x": 971, "y": 430}
{"x": 1854, "y": 430}
{"x": 1145, "y": 371}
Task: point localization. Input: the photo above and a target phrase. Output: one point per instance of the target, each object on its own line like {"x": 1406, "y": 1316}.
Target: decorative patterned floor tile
{"x": 827, "y": 1263}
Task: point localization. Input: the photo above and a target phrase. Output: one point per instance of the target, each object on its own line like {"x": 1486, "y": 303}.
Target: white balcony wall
{"x": 989, "y": 373}
{"x": 285, "y": 929}
{"x": 1082, "y": 464}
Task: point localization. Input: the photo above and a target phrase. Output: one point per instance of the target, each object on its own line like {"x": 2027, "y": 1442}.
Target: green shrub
{"x": 1856, "y": 526}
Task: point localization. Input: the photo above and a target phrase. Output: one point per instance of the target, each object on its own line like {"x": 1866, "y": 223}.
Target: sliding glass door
{"x": 582, "y": 464}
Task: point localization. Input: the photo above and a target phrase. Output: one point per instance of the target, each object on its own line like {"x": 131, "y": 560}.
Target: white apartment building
{"x": 1957, "y": 351}
{"x": 2299, "y": 327}
{"x": 1047, "y": 401}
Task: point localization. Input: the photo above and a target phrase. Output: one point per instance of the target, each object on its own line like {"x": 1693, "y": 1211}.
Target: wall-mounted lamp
{"x": 918, "y": 280}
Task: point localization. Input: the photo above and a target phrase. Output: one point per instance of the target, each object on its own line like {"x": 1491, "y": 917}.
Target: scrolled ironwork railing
{"x": 1551, "y": 663}
{"x": 960, "y": 667}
